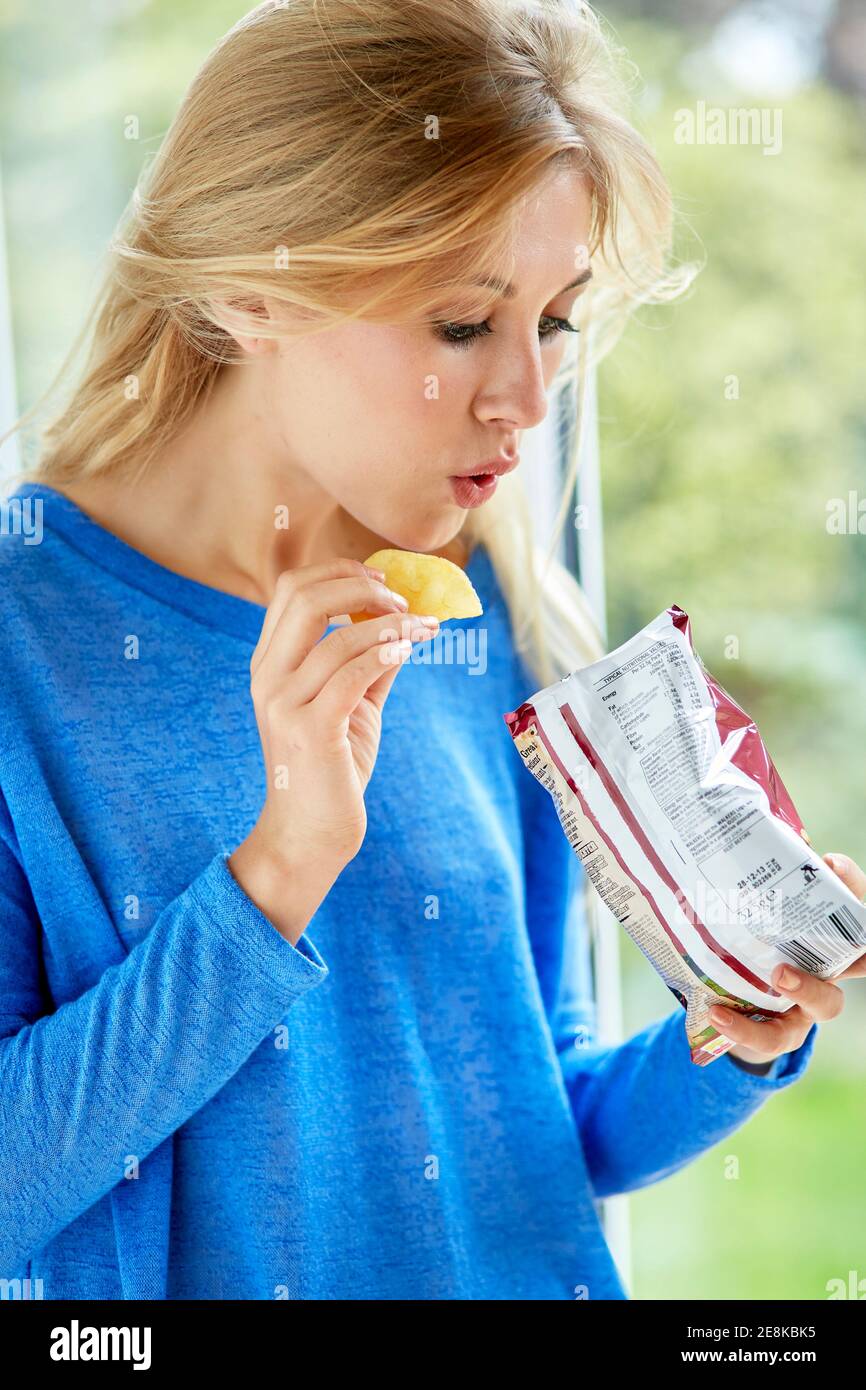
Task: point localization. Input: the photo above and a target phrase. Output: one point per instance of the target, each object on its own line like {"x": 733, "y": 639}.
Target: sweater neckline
{"x": 216, "y": 608}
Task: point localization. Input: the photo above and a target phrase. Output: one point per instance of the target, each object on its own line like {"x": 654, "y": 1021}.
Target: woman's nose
{"x": 516, "y": 394}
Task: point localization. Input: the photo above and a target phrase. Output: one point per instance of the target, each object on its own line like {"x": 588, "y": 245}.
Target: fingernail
{"x": 376, "y": 574}
{"x": 400, "y": 601}
{"x": 396, "y": 651}
{"x": 787, "y": 979}
{"x": 721, "y": 1015}
{"x": 429, "y": 619}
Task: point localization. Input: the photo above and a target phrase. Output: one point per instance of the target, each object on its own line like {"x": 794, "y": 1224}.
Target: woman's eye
{"x": 462, "y": 334}
{"x": 559, "y": 326}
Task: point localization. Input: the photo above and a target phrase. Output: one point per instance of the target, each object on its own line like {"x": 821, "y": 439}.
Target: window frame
{"x": 546, "y": 451}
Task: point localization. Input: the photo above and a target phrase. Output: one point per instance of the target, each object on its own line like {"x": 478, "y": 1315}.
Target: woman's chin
{"x": 426, "y": 539}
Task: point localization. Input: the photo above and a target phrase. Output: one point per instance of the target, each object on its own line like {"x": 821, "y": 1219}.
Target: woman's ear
{"x": 237, "y": 316}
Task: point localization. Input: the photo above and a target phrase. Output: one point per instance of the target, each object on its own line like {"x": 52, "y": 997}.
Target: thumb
{"x": 378, "y": 692}
{"x": 850, "y": 873}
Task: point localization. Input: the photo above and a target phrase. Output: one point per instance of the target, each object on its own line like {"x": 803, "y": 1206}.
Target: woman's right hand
{"x": 318, "y": 706}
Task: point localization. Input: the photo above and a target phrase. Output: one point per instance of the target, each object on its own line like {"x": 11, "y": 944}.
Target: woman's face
{"x": 381, "y": 418}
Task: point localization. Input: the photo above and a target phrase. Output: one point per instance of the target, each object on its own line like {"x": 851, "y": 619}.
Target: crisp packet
{"x": 668, "y": 796}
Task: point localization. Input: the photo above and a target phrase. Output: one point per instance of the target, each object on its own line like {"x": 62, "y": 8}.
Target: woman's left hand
{"x": 817, "y": 1001}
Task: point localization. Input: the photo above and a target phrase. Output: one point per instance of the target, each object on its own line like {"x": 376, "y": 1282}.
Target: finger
{"x": 854, "y": 878}
{"x": 771, "y": 1036}
{"x": 819, "y": 1000}
{"x": 850, "y": 873}
{"x": 379, "y": 691}
{"x": 854, "y": 971}
{"x": 346, "y": 643}
{"x": 305, "y": 610}
{"x": 348, "y": 686}
{"x": 289, "y": 581}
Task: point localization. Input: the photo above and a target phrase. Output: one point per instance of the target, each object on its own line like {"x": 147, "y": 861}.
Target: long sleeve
{"x": 643, "y": 1109}
{"x": 115, "y": 1071}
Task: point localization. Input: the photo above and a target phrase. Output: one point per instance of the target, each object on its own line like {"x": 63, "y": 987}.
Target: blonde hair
{"x": 334, "y": 155}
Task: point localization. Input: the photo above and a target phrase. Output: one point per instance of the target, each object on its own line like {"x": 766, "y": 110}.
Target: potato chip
{"x": 430, "y": 584}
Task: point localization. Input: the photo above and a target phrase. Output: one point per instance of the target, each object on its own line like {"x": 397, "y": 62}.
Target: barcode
{"x": 826, "y": 945}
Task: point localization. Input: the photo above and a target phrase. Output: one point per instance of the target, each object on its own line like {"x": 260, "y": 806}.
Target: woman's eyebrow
{"x": 508, "y": 291}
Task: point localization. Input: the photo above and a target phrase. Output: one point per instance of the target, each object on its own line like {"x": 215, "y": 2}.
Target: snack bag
{"x": 666, "y": 792}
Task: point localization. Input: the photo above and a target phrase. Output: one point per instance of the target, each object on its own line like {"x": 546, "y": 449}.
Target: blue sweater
{"x": 409, "y": 1104}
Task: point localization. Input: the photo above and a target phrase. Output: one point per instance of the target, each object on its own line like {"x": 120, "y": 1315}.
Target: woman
{"x": 288, "y": 975}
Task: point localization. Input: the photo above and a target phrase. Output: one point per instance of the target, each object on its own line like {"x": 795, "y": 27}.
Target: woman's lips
{"x": 472, "y": 491}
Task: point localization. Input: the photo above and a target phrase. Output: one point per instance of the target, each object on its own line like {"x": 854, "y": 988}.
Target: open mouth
{"x": 470, "y": 490}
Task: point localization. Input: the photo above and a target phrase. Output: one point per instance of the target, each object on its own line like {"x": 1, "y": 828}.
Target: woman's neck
{"x": 170, "y": 526}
